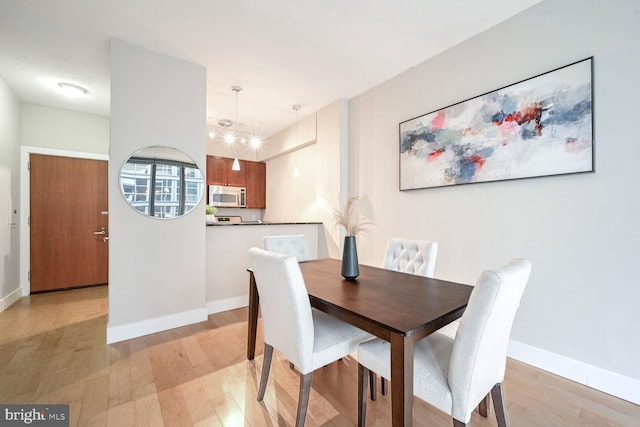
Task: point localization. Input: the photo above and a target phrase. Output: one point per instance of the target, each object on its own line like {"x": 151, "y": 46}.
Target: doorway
{"x": 68, "y": 222}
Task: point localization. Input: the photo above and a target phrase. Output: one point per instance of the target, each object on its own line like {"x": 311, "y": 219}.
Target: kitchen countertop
{"x": 226, "y": 224}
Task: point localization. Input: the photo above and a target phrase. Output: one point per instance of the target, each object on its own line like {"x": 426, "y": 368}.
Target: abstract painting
{"x": 541, "y": 126}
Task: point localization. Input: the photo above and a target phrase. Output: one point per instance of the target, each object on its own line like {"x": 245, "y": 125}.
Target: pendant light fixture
{"x": 296, "y": 170}
{"x": 236, "y": 163}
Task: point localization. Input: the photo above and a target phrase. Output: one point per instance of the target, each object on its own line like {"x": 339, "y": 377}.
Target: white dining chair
{"x": 456, "y": 375}
{"x": 414, "y": 257}
{"x": 308, "y": 338}
{"x": 411, "y": 256}
{"x": 289, "y": 244}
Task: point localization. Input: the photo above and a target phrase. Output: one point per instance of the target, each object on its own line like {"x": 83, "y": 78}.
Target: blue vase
{"x": 350, "y": 269}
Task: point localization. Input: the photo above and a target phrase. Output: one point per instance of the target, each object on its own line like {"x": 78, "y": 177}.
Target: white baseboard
{"x": 600, "y": 379}
{"x": 10, "y": 299}
{"x": 158, "y": 324}
{"x": 227, "y": 304}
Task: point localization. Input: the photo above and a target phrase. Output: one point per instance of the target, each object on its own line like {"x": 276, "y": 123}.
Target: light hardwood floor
{"x": 52, "y": 350}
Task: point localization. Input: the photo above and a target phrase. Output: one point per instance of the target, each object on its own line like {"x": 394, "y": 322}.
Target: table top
{"x": 383, "y": 301}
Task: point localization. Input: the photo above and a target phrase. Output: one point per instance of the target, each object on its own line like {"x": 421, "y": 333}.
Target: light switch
{"x": 12, "y": 214}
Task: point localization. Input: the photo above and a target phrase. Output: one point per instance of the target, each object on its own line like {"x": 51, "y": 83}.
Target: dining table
{"x": 400, "y": 308}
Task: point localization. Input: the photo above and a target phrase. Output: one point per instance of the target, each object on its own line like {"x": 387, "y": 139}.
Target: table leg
{"x": 254, "y": 301}
{"x": 401, "y": 381}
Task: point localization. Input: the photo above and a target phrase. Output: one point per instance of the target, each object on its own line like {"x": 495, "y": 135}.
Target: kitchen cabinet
{"x": 252, "y": 175}
{"x": 256, "y": 183}
{"x": 219, "y": 172}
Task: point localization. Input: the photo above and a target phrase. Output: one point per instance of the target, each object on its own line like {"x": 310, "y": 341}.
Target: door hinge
{"x": 29, "y": 275}
{"x": 29, "y": 220}
{"x": 28, "y": 165}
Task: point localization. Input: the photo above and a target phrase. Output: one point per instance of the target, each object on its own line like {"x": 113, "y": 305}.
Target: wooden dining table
{"x": 398, "y": 307}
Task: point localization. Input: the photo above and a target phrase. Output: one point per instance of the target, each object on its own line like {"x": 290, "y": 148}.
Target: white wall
{"x": 156, "y": 267}
{"x": 333, "y": 178}
{"x": 289, "y": 139}
{"x": 321, "y": 159}
{"x": 581, "y": 232}
{"x": 227, "y": 277}
{"x": 49, "y": 127}
{"x": 289, "y": 198}
{"x": 9, "y": 196}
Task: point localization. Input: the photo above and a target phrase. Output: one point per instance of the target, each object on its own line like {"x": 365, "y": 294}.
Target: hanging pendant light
{"x": 296, "y": 170}
{"x": 236, "y": 163}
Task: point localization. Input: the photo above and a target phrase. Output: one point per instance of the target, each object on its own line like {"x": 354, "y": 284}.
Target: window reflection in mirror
{"x": 177, "y": 183}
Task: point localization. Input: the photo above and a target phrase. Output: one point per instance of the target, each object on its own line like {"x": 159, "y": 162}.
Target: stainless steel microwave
{"x": 225, "y": 196}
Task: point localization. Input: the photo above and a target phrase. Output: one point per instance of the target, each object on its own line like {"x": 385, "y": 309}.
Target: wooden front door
{"x": 69, "y": 213}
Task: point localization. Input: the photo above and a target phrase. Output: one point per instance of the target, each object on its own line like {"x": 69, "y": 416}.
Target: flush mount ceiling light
{"x": 72, "y": 91}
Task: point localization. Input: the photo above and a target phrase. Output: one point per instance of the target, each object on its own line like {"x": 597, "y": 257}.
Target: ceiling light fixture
{"x": 72, "y": 91}
{"x": 255, "y": 141}
{"x": 296, "y": 171}
{"x": 236, "y": 163}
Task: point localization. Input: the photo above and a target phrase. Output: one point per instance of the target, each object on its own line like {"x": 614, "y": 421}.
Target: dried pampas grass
{"x": 351, "y": 220}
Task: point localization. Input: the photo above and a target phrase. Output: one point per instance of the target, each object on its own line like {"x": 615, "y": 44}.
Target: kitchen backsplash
{"x": 246, "y": 214}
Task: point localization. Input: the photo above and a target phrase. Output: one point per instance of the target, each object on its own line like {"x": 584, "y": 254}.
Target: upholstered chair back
{"x": 292, "y": 245}
{"x": 286, "y": 310}
{"x": 411, "y": 256}
{"x": 479, "y": 353}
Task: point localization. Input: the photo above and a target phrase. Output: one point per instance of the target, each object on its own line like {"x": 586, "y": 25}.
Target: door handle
{"x": 101, "y": 232}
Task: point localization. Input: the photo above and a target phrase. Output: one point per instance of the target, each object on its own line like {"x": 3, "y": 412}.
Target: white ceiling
{"x": 281, "y": 52}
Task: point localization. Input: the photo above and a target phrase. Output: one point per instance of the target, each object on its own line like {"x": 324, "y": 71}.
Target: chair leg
{"x": 266, "y": 367}
{"x": 363, "y": 377}
{"x": 497, "y": 394}
{"x": 384, "y": 386}
{"x": 373, "y": 385}
{"x": 303, "y": 398}
{"x": 484, "y": 407}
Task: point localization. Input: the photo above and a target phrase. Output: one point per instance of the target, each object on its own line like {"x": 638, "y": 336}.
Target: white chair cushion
{"x": 431, "y": 365}
{"x": 450, "y": 330}
{"x": 411, "y": 256}
{"x": 291, "y": 244}
{"x": 333, "y": 339}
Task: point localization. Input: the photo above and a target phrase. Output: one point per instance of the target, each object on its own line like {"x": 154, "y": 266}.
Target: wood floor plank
{"x": 95, "y": 402}
{"x": 147, "y": 406}
{"x": 53, "y": 350}
{"x": 198, "y": 404}
{"x": 173, "y": 407}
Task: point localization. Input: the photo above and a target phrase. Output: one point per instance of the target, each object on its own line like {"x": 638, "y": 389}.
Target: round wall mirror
{"x": 161, "y": 182}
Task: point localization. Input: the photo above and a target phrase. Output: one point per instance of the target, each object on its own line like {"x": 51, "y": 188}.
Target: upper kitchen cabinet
{"x": 256, "y": 179}
{"x": 219, "y": 172}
